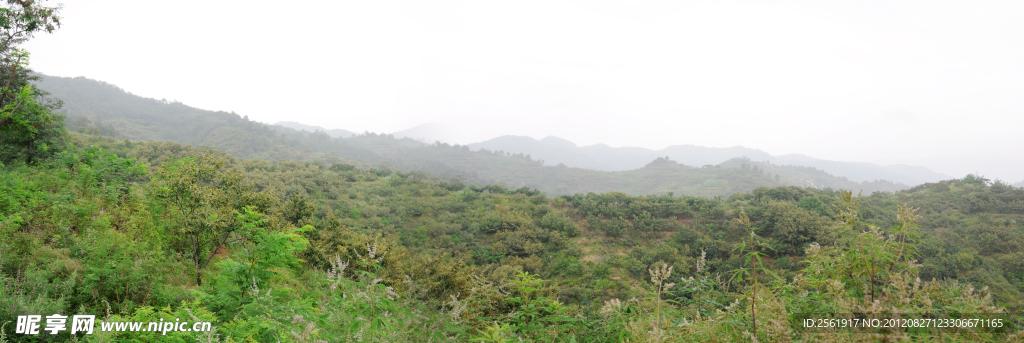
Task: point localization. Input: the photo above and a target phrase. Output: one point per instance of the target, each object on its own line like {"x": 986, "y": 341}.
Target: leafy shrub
{"x": 567, "y": 266}
{"x": 341, "y": 167}
{"x": 557, "y": 221}
{"x": 452, "y": 187}
{"x": 615, "y": 227}
{"x": 505, "y": 220}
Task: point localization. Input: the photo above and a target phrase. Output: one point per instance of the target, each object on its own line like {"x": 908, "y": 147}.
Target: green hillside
{"x": 166, "y": 223}
{"x": 108, "y": 227}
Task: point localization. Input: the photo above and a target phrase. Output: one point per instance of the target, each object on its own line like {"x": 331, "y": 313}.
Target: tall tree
{"x": 29, "y": 130}
{"x": 203, "y": 199}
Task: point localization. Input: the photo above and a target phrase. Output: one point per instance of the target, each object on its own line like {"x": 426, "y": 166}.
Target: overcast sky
{"x": 934, "y": 83}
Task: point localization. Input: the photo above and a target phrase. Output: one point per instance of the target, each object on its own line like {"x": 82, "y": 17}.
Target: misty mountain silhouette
{"x": 554, "y": 150}
{"x": 114, "y": 112}
{"x": 336, "y": 133}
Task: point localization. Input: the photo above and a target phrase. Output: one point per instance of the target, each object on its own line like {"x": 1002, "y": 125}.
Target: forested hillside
{"x": 138, "y": 210}
{"x": 100, "y": 108}
{"x": 302, "y": 252}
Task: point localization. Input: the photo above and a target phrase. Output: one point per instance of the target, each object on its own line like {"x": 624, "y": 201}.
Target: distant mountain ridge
{"x": 336, "y": 133}
{"x": 427, "y": 133}
{"x": 120, "y": 114}
{"x": 553, "y": 151}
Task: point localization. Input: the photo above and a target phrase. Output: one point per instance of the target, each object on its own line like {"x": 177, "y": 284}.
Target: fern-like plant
{"x": 752, "y": 263}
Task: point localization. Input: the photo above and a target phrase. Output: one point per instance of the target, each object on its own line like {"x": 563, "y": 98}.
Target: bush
{"x": 686, "y": 235}
{"x": 615, "y": 227}
{"x": 557, "y": 221}
{"x": 505, "y": 220}
{"x": 452, "y": 187}
{"x": 342, "y": 167}
{"x": 567, "y": 266}
{"x": 793, "y": 227}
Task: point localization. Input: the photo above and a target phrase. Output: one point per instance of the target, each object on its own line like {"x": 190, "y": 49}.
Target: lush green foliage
{"x": 377, "y": 239}
{"x": 29, "y": 130}
{"x": 298, "y": 251}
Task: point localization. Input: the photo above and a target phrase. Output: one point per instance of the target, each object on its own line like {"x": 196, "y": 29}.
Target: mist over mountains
{"x": 336, "y": 133}
{"x": 552, "y": 165}
{"x": 553, "y": 151}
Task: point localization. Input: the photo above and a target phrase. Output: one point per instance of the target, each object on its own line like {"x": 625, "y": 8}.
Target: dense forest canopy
{"x": 281, "y": 236}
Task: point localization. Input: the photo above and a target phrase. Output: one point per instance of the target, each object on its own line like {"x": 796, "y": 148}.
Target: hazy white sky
{"x": 922, "y": 82}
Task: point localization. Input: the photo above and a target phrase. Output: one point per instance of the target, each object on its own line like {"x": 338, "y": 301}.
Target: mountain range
{"x": 98, "y": 108}
{"x": 553, "y": 151}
